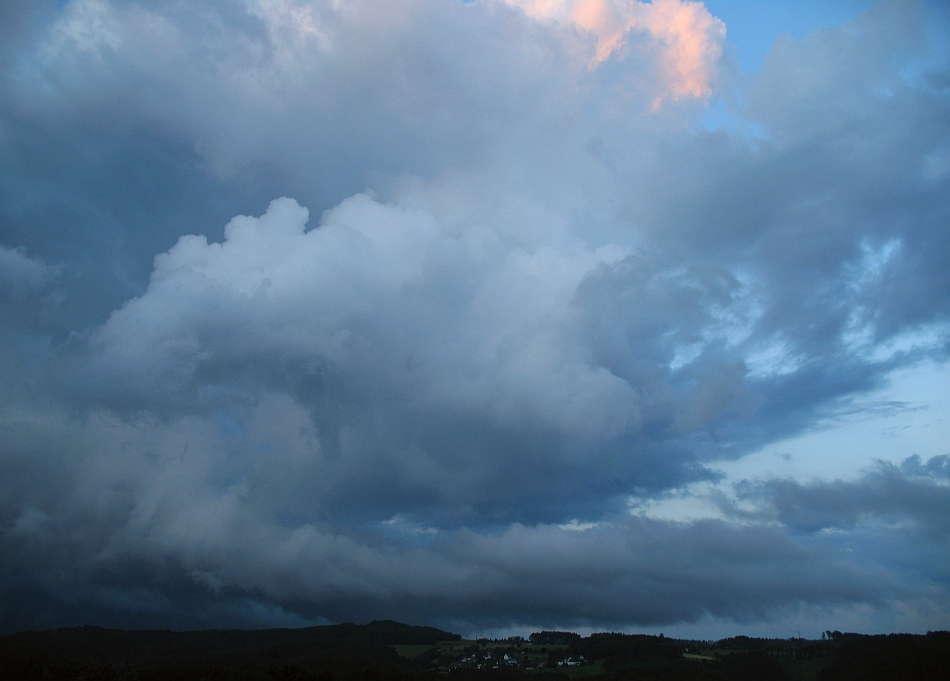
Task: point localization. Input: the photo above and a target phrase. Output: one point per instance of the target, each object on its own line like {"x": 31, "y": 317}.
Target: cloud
{"x": 380, "y": 293}
{"x": 144, "y": 515}
{"x": 804, "y": 90}
{"x": 445, "y": 357}
{"x": 914, "y": 494}
{"x": 19, "y": 273}
{"x": 690, "y": 39}
{"x": 30, "y": 295}
{"x": 434, "y": 398}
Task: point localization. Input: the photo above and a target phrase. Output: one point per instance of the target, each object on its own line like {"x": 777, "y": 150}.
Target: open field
{"x": 411, "y": 652}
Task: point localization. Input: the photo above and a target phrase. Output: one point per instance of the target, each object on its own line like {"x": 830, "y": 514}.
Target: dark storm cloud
{"x": 563, "y": 292}
{"x": 894, "y": 518}
{"x": 913, "y": 495}
{"x": 19, "y": 273}
{"x": 623, "y": 570}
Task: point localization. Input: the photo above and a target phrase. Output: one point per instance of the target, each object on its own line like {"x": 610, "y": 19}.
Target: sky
{"x": 498, "y": 315}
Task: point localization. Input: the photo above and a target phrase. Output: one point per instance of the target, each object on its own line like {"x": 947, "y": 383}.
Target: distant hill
{"x": 315, "y": 652}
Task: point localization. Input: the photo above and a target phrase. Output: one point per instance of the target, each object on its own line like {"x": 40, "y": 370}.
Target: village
{"x": 486, "y": 654}
{"x": 522, "y": 658}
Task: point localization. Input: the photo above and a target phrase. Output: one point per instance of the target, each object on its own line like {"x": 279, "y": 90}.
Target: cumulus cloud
{"x": 444, "y": 357}
{"x": 433, "y": 399}
{"x": 368, "y": 295}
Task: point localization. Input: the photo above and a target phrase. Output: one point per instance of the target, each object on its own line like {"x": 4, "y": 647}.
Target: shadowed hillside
{"x": 389, "y": 650}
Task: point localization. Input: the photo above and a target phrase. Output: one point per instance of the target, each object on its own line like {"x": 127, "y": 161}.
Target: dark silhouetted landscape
{"x": 390, "y": 650}
{"x": 499, "y": 316}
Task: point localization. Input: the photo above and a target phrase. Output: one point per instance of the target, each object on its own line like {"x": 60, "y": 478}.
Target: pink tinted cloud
{"x": 689, "y": 37}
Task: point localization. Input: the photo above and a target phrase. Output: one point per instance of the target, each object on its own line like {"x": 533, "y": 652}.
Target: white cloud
{"x": 381, "y": 294}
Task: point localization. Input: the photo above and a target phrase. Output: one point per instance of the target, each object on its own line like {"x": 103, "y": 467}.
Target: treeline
{"x": 636, "y": 656}
{"x": 324, "y": 653}
{"x": 893, "y": 657}
{"x": 554, "y": 638}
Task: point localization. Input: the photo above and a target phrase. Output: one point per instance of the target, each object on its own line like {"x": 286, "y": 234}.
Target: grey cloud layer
{"x": 914, "y": 494}
{"x": 557, "y": 295}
